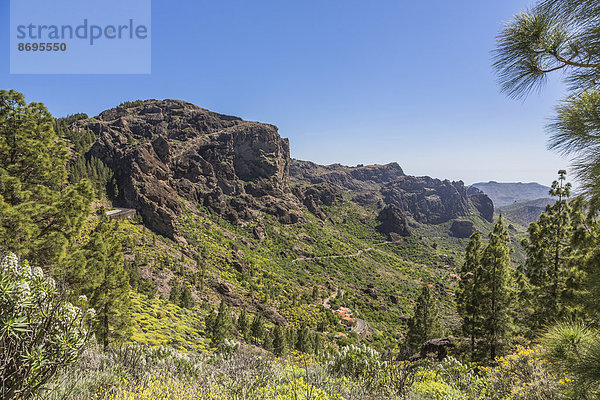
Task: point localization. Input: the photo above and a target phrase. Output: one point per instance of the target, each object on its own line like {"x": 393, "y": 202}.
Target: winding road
{"x": 361, "y": 324}
{"x": 358, "y": 253}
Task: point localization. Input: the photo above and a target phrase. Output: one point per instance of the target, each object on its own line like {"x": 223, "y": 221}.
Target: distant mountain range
{"x": 526, "y": 211}
{"x": 503, "y": 194}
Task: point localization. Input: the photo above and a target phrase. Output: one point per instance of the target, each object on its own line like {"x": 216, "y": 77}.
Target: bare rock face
{"x": 462, "y": 228}
{"x": 170, "y": 154}
{"x": 315, "y": 196}
{"x": 426, "y": 199}
{"x": 482, "y": 203}
{"x": 393, "y": 220}
{"x": 165, "y": 151}
{"x": 359, "y": 178}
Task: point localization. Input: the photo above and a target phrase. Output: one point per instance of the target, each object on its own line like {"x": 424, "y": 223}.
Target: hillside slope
{"x": 231, "y": 216}
{"x": 527, "y": 211}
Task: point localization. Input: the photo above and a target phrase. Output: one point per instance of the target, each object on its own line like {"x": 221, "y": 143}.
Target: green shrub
{"x": 296, "y": 390}
{"x": 435, "y": 390}
{"x": 356, "y": 361}
{"x": 462, "y": 378}
{"x": 39, "y": 331}
{"x": 129, "y": 104}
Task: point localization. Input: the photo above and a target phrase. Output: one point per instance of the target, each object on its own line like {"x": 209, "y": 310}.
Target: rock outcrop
{"x": 167, "y": 155}
{"x": 462, "y": 228}
{"x": 482, "y": 203}
{"x": 359, "y": 179}
{"x": 393, "y": 220}
{"x": 426, "y": 199}
{"x": 315, "y": 196}
{"x": 437, "y": 347}
{"x": 164, "y": 151}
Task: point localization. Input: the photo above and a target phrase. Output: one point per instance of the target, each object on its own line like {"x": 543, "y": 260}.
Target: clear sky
{"x": 346, "y": 81}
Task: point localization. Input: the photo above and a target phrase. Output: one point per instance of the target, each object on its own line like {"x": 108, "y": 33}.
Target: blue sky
{"x": 346, "y": 81}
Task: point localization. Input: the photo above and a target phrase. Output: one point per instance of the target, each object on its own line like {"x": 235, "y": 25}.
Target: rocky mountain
{"x": 169, "y": 155}
{"x": 424, "y": 199}
{"x": 233, "y": 217}
{"x": 505, "y": 193}
{"x": 164, "y": 151}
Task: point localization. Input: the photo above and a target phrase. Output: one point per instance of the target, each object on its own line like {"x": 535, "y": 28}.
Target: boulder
{"x": 393, "y": 220}
{"x": 462, "y": 228}
{"x": 438, "y": 347}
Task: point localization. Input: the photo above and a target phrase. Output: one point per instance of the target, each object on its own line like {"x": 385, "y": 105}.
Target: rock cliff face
{"x": 164, "y": 151}
{"x": 360, "y": 178}
{"x": 426, "y": 200}
{"x": 315, "y": 196}
{"x": 168, "y": 155}
{"x": 482, "y": 203}
{"x": 393, "y": 220}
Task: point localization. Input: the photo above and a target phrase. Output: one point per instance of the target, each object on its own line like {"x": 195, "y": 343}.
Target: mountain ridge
{"x": 506, "y": 193}
{"x": 162, "y": 151}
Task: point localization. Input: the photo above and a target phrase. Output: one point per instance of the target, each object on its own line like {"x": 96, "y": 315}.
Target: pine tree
{"x": 279, "y": 341}
{"x": 209, "y": 323}
{"x": 548, "y": 248}
{"x": 291, "y": 336}
{"x": 186, "y": 300}
{"x": 495, "y": 288}
{"x": 469, "y": 294}
{"x": 107, "y": 283}
{"x": 315, "y": 293}
{"x": 221, "y": 328}
{"x": 559, "y": 37}
{"x": 175, "y": 292}
{"x": 268, "y": 341}
{"x": 581, "y": 291}
{"x": 303, "y": 342}
{"x": 39, "y": 213}
{"x": 523, "y": 303}
{"x": 425, "y": 323}
{"x": 317, "y": 343}
{"x": 243, "y": 325}
{"x": 257, "y": 329}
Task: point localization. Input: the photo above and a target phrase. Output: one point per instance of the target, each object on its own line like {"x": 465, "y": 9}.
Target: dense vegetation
{"x": 499, "y": 305}
{"x": 95, "y": 307}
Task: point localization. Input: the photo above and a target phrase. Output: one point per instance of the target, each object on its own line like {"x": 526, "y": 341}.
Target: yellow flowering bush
{"x": 523, "y": 375}
{"x": 163, "y": 388}
{"x": 295, "y": 390}
{"x": 435, "y": 390}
